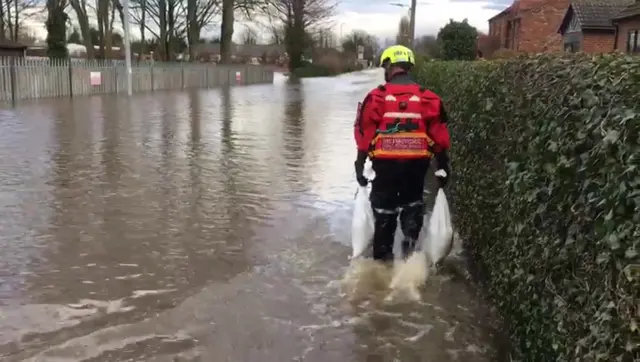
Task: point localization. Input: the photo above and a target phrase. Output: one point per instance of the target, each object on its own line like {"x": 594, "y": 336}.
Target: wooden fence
{"x": 22, "y": 79}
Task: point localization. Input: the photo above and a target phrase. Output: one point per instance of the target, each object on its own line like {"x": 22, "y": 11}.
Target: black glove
{"x": 359, "y": 165}
{"x": 442, "y": 158}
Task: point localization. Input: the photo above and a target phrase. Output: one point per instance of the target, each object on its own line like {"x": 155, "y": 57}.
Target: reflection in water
{"x": 227, "y": 116}
{"x": 293, "y": 136}
{"x": 195, "y": 108}
{"x": 159, "y": 228}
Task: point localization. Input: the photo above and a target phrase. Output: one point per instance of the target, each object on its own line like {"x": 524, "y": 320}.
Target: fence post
{"x": 115, "y": 76}
{"x": 153, "y": 86}
{"x": 206, "y": 75}
{"x": 13, "y": 81}
{"x": 70, "y": 78}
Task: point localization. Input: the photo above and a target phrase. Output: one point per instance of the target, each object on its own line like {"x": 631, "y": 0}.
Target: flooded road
{"x": 204, "y": 226}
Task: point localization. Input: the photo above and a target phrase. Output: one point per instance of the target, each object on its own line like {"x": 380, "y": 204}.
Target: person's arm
{"x": 364, "y": 130}
{"x": 439, "y": 133}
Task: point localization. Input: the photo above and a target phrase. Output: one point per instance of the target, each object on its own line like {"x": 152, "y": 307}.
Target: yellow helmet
{"x": 397, "y": 54}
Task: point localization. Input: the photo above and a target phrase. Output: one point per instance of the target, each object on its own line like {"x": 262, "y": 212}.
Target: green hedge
{"x": 309, "y": 70}
{"x": 546, "y": 194}
{"x": 312, "y": 70}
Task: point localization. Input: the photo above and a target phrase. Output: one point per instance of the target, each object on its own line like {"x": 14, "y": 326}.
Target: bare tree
{"x": 12, "y": 15}
{"x": 229, "y": 7}
{"x": 226, "y": 31}
{"x": 271, "y": 26}
{"x": 277, "y": 34}
{"x": 427, "y": 45}
{"x": 200, "y": 14}
{"x": 404, "y": 32}
{"x": 80, "y": 8}
{"x": 105, "y": 12}
{"x": 357, "y": 38}
{"x": 249, "y": 36}
{"x": 324, "y": 38}
{"x": 299, "y": 18}
{"x": 168, "y": 17}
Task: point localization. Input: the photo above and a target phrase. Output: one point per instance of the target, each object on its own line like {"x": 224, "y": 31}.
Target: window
{"x": 509, "y": 36}
{"x": 633, "y": 41}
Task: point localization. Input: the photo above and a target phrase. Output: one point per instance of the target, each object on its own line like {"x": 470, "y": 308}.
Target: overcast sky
{"x": 380, "y": 18}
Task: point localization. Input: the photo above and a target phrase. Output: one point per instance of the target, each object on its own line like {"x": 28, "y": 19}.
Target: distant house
{"x": 628, "y": 28}
{"x": 243, "y": 53}
{"x": 592, "y": 26}
{"x": 529, "y": 26}
{"x": 76, "y": 51}
{"x": 9, "y": 48}
{"x": 486, "y": 45}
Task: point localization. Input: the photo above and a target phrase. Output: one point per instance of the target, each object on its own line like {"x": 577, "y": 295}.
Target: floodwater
{"x": 203, "y": 226}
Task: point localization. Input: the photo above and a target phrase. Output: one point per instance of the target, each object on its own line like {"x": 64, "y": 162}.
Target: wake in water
{"x": 374, "y": 281}
{"x": 408, "y": 276}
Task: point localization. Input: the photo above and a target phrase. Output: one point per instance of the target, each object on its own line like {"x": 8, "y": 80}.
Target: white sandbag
{"x": 362, "y": 225}
{"x": 368, "y": 172}
{"x": 440, "y": 231}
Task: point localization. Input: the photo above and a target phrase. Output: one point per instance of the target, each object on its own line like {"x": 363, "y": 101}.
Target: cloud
{"x": 377, "y": 17}
{"x": 381, "y": 19}
{"x": 498, "y": 7}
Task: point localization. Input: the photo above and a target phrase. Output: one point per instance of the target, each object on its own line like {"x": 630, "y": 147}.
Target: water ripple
{"x": 202, "y": 225}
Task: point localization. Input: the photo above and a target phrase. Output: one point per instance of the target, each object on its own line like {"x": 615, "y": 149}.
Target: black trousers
{"x": 396, "y": 190}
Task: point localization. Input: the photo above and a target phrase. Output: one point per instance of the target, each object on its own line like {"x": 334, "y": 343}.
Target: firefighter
{"x": 400, "y": 126}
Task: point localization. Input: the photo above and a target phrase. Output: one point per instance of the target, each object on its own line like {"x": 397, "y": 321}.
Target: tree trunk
{"x": 85, "y": 30}
{"x": 9, "y": 20}
{"x": 16, "y": 23}
{"x": 56, "y": 30}
{"x": 226, "y": 31}
{"x": 193, "y": 30}
{"x": 101, "y": 31}
{"x": 3, "y": 34}
{"x": 108, "y": 44}
{"x": 412, "y": 23}
{"x": 171, "y": 29}
{"x": 297, "y": 35}
{"x": 143, "y": 5}
{"x": 162, "y": 42}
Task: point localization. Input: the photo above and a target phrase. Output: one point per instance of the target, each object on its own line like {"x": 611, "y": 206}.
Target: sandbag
{"x": 362, "y": 225}
{"x": 368, "y": 172}
{"x": 440, "y": 232}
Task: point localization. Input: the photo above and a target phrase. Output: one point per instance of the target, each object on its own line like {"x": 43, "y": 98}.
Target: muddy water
{"x": 204, "y": 226}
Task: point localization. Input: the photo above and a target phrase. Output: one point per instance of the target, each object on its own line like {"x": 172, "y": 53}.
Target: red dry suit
{"x": 400, "y": 126}
{"x": 401, "y": 121}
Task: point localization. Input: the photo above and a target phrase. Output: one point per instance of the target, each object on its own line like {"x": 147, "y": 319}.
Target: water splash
{"x": 366, "y": 280}
{"x": 408, "y": 276}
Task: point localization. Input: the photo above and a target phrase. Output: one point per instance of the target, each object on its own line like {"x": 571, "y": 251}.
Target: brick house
{"x": 529, "y": 26}
{"x": 588, "y": 25}
{"x": 627, "y": 24}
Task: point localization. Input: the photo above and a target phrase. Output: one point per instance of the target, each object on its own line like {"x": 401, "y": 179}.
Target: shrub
{"x": 332, "y": 62}
{"x": 505, "y": 54}
{"x": 546, "y": 161}
{"x": 327, "y": 65}
{"x": 312, "y": 70}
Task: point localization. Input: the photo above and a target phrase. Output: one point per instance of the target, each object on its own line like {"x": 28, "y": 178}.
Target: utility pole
{"x": 412, "y": 17}
{"x": 412, "y": 22}
{"x": 127, "y": 46}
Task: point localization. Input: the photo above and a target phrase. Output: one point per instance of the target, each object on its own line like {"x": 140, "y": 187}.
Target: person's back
{"x": 400, "y": 126}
